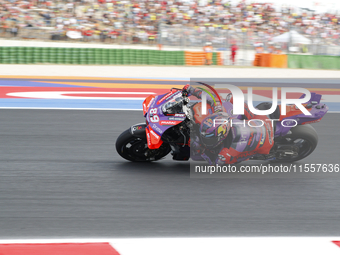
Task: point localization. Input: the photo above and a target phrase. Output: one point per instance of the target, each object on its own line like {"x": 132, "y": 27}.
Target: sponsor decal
{"x": 178, "y": 117}
{"x": 169, "y": 122}
{"x": 168, "y": 96}
{"x": 173, "y": 118}
{"x": 150, "y": 103}
{"x": 156, "y": 128}
{"x": 310, "y": 122}
{"x": 182, "y": 115}
{"x": 148, "y": 138}
{"x": 208, "y": 122}
{"x": 222, "y": 129}
{"x": 245, "y": 155}
{"x": 136, "y": 128}
{"x": 154, "y": 140}
{"x": 154, "y": 134}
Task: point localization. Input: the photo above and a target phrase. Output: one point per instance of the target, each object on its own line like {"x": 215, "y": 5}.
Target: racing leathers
{"x": 249, "y": 135}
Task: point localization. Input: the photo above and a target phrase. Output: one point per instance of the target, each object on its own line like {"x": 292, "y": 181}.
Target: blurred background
{"x": 60, "y": 174}
{"x": 254, "y": 27}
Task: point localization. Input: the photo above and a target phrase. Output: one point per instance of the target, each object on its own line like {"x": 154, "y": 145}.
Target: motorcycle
{"x": 172, "y": 117}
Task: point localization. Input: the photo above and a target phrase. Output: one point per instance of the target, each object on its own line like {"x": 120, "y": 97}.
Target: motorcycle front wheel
{"x": 136, "y": 149}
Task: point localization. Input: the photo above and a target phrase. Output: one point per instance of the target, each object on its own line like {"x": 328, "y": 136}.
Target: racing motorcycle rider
{"x": 221, "y": 139}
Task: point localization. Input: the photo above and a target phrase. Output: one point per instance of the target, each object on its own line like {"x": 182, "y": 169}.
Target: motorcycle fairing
{"x": 316, "y": 109}
{"x": 157, "y": 121}
{"x": 235, "y": 156}
{"x": 146, "y": 104}
{"x": 153, "y": 139}
{"x": 165, "y": 97}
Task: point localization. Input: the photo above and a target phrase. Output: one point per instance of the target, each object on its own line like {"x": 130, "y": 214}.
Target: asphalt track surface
{"x": 60, "y": 176}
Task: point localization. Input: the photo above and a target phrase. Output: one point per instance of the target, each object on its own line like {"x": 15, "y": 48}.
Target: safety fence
{"x": 86, "y": 56}
{"x": 313, "y": 62}
{"x": 198, "y": 58}
{"x": 271, "y": 60}
{"x": 297, "y": 61}
{"x": 100, "y": 56}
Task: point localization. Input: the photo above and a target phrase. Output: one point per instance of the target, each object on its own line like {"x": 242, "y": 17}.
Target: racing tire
{"x": 136, "y": 149}
{"x": 303, "y": 136}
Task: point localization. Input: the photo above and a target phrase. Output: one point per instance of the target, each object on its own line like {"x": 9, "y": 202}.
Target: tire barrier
{"x": 270, "y": 60}
{"x": 198, "y": 58}
{"x": 313, "y": 62}
{"x": 90, "y": 56}
{"x": 297, "y": 61}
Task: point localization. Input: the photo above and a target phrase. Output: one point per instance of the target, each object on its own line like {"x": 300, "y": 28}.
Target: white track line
{"x": 204, "y": 246}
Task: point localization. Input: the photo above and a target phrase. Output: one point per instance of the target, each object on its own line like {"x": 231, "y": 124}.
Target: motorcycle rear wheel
{"x": 304, "y": 137}
{"x": 136, "y": 149}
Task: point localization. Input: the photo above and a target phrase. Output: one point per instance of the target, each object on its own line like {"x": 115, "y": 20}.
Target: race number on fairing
{"x": 153, "y": 115}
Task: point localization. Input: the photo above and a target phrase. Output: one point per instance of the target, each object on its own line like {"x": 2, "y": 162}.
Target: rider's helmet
{"x": 208, "y": 43}
{"x": 214, "y": 129}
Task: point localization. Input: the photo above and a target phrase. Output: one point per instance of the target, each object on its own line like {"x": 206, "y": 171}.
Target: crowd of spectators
{"x": 133, "y": 21}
